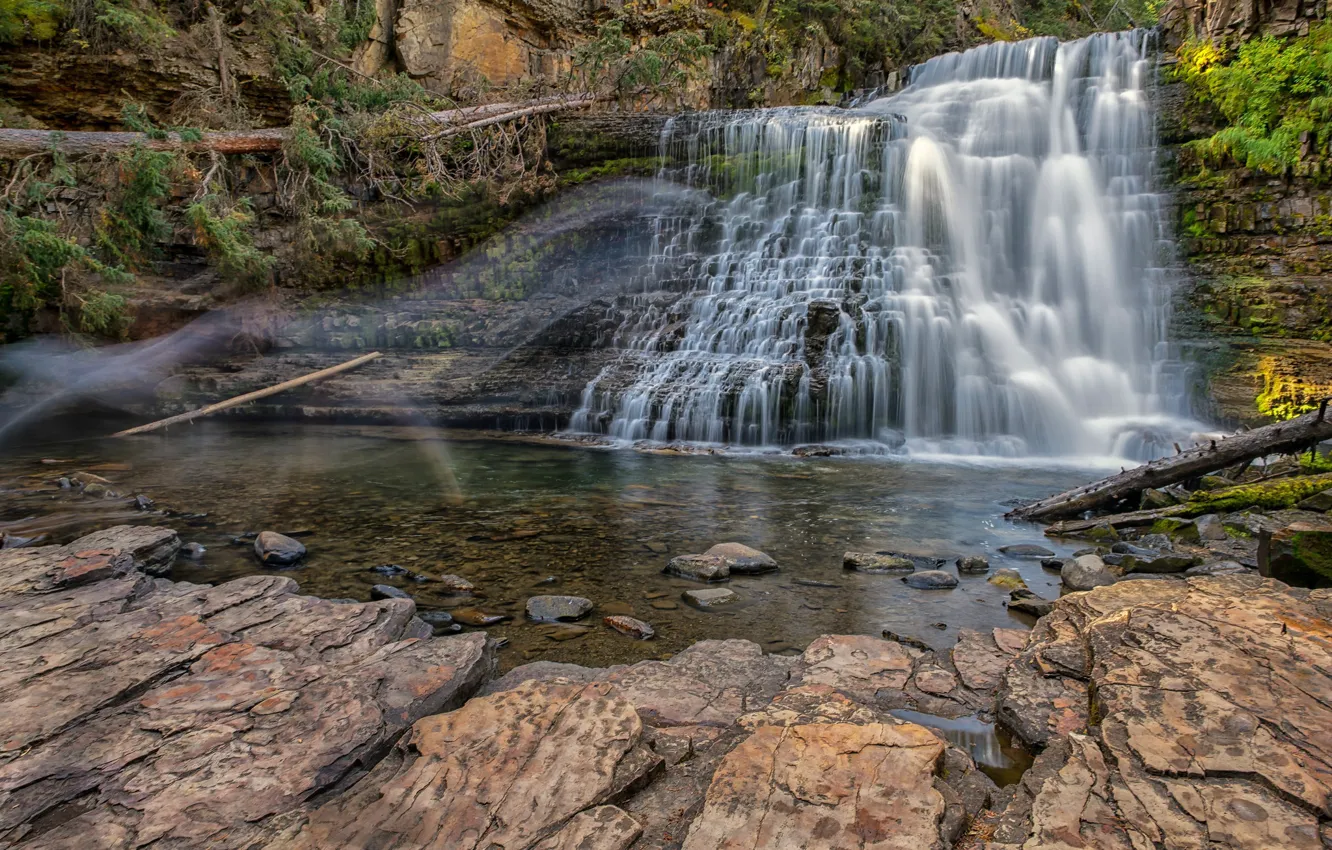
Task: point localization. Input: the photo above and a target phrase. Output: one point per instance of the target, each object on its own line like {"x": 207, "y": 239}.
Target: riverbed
{"x": 519, "y": 519}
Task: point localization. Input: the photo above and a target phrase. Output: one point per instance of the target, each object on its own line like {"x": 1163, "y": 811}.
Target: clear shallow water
{"x": 518, "y": 520}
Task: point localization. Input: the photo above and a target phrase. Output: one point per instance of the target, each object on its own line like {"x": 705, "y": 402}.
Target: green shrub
{"x": 1271, "y": 93}
{"x": 38, "y": 20}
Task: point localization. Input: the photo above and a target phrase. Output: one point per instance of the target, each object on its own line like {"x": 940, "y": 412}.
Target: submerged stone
{"x": 713, "y": 597}
{"x": 388, "y": 591}
{"x": 1026, "y": 550}
{"x": 630, "y": 627}
{"x": 699, "y": 567}
{"x": 1008, "y": 578}
{"x": 877, "y": 562}
{"x": 973, "y": 564}
{"x": 547, "y": 608}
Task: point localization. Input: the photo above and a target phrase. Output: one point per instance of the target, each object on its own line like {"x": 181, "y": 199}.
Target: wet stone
{"x": 548, "y": 608}
{"x": 1320, "y": 502}
{"x": 1007, "y": 578}
{"x": 1218, "y": 568}
{"x": 477, "y": 617}
{"x": 387, "y": 591}
{"x": 742, "y": 559}
{"x": 390, "y": 570}
{"x": 1026, "y": 602}
{"x": 973, "y": 564}
{"x": 809, "y": 582}
{"x": 436, "y": 619}
{"x": 619, "y": 608}
{"x": 630, "y": 627}
{"x": 699, "y": 567}
{"x": 193, "y": 551}
{"x": 931, "y": 580}
{"x": 1086, "y": 572}
{"x": 1026, "y": 550}
{"x": 455, "y": 585}
{"x": 877, "y": 562}
{"x": 277, "y": 550}
{"x": 717, "y": 597}
{"x": 1056, "y": 564}
{"x": 663, "y": 604}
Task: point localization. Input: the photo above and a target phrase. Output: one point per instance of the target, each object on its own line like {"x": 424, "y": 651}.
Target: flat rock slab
{"x": 713, "y": 597}
{"x": 742, "y": 559}
{"x": 1215, "y": 721}
{"x": 550, "y": 608}
{"x": 507, "y": 770}
{"x": 831, "y": 786}
{"x": 931, "y": 580}
{"x": 152, "y": 548}
{"x": 136, "y": 711}
{"x": 877, "y": 563}
{"x": 699, "y": 567}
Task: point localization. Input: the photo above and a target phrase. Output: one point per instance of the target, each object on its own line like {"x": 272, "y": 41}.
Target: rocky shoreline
{"x": 141, "y": 711}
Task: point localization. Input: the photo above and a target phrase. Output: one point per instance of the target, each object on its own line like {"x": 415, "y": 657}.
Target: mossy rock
{"x": 1104, "y": 533}
{"x": 1175, "y": 529}
{"x": 1271, "y": 495}
{"x": 1300, "y": 554}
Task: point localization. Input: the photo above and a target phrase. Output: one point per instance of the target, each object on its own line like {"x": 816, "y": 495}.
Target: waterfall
{"x": 976, "y": 264}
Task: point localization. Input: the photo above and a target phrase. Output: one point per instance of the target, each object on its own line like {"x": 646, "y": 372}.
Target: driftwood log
{"x": 16, "y": 144}
{"x": 249, "y": 397}
{"x": 1287, "y": 437}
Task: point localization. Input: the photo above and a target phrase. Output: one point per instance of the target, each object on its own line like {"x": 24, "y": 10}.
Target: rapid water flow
{"x": 974, "y": 265}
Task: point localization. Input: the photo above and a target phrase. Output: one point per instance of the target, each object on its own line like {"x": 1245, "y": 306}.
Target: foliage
{"x": 1067, "y": 19}
{"x": 1271, "y": 93}
{"x": 37, "y": 20}
{"x": 1277, "y": 494}
{"x": 661, "y": 66}
{"x": 102, "y": 313}
{"x": 222, "y": 228}
{"x": 133, "y": 224}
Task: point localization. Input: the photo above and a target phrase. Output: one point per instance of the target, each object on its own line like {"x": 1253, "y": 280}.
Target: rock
{"x": 1137, "y": 551}
{"x": 980, "y": 657}
{"x": 602, "y": 828}
{"x": 1213, "y": 729}
{"x": 1008, "y": 578}
{"x": 1104, "y": 533}
{"x": 1026, "y": 602}
{"x": 152, "y": 549}
{"x": 615, "y": 607}
{"x": 1177, "y": 530}
{"x": 1153, "y": 499}
{"x": 630, "y": 627}
{"x": 935, "y": 680}
{"x": 1319, "y": 502}
{"x": 436, "y": 619}
{"x": 219, "y": 711}
{"x": 64, "y": 483}
{"x": 1157, "y": 542}
{"x": 193, "y": 551}
{"x": 277, "y": 550}
{"x": 857, "y": 665}
{"x": 1057, "y": 564}
{"x": 98, "y": 491}
{"x": 1299, "y": 554}
{"x": 742, "y": 560}
{"x": 143, "y": 503}
{"x": 388, "y": 591}
{"x": 455, "y": 585}
{"x": 1026, "y": 550}
{"x": 477, "y": 617}
{"x": 1218, "y": 568}
{"x": 86, "y": 479}
{"x": 809, "y": 582}
{"x": 931, "y": 580}
{"x": 551, "y": 608}
{"x": 973, "y": 564}
{"x": 907, "y": 640}
{"x": 1085, "y": 573}
{"x": 871, "y": 562}
{"x": 390, "y": 570}
{"x": 567, "y": 748}
{"x": 663, "y": 605}
{"x": 715, "y": 597}
{"x": 1163, "y": 563}
{"x": 699, "y": 567}
{"x": 823, "y": 785}
{"x": 1210, "y": 527}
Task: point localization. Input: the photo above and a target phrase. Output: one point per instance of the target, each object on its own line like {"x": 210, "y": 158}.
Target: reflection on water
{"x": 993, "y": 751}
{"x": 518, "y": 519}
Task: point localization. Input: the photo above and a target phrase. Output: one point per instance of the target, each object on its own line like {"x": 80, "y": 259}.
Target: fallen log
{"x": 1287, "y": 437}
{"x": 1132, "y": 519}
{"x": 16, "y": 144}
{"x": 248, "y": 397}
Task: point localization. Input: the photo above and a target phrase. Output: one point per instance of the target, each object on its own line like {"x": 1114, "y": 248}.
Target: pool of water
{"x": 521, "y": 519}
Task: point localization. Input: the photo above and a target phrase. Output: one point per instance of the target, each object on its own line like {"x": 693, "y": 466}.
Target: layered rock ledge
{"x": 141, "y": 712}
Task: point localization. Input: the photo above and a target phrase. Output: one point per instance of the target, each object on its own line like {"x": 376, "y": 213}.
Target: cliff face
{"x": 1254, "y": 305}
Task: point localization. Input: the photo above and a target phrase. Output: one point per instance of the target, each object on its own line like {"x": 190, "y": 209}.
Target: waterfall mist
{"x": 974, "y": 265}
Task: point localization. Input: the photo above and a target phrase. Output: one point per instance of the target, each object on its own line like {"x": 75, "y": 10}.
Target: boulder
{"x": 1026, "y": 550}
{"x": 1319, "y": 502}
{"x": 630, "y": 627}
{"x": 1008, "y": 578}
{"x": 1086, "y": 572}
{"x": 153, "y": 549}
{"x": 1169, "y": 562}
{"x": 931, "y": 580}
{"x": 1299, "y": 554}
{"x": 1210, "y": 527}
{"x": 699, "y": 567}
{"x": 877, "y": 562}
{"x": 973, "y": 564}
{"x": 743, "y": 560}
{"x": 548, "y": 609}
{"x": 1025, "y": 602}
{"x": 456, "y": 585}
{"x": 712, "y": 597}
{"x": 1218, "y": 568}
{"x": 277, "y": 550}
{"x": 1212, "y": 723}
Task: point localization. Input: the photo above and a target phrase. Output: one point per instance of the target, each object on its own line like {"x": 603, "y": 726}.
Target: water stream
{"x": 974, "y": 265}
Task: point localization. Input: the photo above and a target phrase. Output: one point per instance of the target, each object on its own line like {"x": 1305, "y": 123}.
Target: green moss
{"x": 1313, "y": 550}
{"x": 1272, "y": 495}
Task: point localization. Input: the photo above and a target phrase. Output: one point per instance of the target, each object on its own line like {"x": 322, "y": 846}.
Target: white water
{"x": 984, "y": 253}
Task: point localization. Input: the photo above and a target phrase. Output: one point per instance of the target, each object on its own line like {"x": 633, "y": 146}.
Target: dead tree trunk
{"x": 1280, "y": 438}
{"x": 16, "y": 144}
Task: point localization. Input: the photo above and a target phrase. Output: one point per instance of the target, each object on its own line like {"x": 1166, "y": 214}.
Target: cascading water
{"x": 975, "y": 264}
